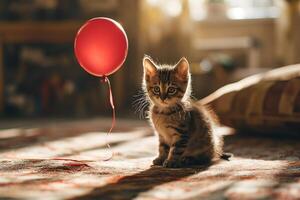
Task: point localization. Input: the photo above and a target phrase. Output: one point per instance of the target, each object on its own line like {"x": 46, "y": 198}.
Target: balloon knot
{"x": 103, "y": 79}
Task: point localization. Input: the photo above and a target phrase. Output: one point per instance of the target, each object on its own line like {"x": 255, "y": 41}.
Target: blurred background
{"x": 224, "y": 41}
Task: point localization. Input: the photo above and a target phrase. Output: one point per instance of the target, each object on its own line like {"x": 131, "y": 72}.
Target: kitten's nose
{"x": 163, "y": 96}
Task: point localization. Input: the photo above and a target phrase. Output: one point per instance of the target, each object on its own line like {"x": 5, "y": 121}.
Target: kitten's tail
{"x": 226, "y": 156}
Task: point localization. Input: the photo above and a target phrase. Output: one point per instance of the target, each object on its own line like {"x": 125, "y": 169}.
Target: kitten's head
{"x": 166, "y": 85}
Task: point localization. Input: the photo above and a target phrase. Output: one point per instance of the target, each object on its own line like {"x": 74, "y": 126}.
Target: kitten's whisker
{"x": 142, "y": 109}
{"x": 140, "y": 104}
{"x": 136, "y": 101}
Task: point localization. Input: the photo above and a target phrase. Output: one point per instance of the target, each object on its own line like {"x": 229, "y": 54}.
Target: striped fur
{"x": 185, "y": 129}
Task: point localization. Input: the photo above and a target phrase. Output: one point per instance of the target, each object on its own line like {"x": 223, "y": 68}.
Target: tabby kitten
{"x": 184, "y": 128}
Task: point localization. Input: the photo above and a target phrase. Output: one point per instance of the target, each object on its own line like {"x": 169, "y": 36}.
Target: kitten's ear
{"x": 149, "y": 66}
{"x": 182, "y": 68}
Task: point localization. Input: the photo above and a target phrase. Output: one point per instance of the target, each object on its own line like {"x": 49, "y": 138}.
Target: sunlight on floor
{"x": 69, "y": 164}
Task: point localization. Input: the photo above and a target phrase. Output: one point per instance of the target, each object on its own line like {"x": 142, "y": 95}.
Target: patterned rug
{"x": 66, "y": 160}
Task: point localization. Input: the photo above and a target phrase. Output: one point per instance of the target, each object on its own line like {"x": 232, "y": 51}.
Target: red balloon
{"x": 101, "y": 46}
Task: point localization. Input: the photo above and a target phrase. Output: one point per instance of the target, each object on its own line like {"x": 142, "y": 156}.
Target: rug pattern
{"x": 67, "y": 161}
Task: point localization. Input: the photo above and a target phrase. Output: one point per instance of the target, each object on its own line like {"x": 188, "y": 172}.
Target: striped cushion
{"x": 267, "y": 102}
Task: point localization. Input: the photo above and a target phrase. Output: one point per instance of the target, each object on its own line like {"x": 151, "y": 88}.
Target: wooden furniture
{"x": 288, "y": 29}
{"x": 227, "y": 34}
{"x": 33, "y": 32}
{"x": 244, "y": 43}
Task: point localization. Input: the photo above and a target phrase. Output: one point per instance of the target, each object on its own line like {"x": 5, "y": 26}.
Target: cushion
{"x": 266, "y": 102}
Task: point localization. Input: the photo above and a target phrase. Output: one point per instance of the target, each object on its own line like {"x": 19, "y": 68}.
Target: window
{"x": 251, "y": 9}
{"x": 232, "y": 9}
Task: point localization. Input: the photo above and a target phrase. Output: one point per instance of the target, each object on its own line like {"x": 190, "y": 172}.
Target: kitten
{"x": 184, "y": 128}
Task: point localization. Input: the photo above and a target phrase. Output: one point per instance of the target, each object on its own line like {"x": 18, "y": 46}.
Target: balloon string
{"x": 111, "y": 101}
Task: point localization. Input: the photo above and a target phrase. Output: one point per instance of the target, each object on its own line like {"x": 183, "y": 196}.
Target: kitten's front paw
{"x": 158, "y": 161}
{"x": 186, "y": 160}
{"x": 172, "y": 164}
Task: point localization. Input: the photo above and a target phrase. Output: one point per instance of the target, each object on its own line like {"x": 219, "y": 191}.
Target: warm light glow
{"x": 153, "y": 2}
{"x": 234, "y": 9}
{"x": 197, "y": 10}
{"x": 172, "y": 8}
{"x": 236, "y": 13}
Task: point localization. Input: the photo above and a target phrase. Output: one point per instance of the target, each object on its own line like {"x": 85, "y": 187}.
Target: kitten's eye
{"x": 172, "y": 90}
{"x": 156, "y": 90}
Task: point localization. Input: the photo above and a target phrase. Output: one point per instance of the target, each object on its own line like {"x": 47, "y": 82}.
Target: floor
{"x": 70, "y": 160}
